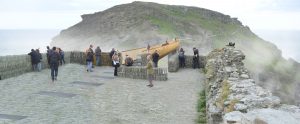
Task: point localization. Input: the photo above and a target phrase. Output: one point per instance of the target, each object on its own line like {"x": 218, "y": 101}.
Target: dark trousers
{"x": 155, "y": 63}
{"x": 196, "y": 62}
{"x": 54, "y": 70}
{"x": 181, "y": 62}
{"x": 34, "y": 67}
{"x": 116, "y": 69}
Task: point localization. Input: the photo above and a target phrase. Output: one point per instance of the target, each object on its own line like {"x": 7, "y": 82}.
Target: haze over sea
{"x": 15, "y": 42}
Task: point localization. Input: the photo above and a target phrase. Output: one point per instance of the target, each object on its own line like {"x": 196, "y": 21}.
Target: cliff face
{"x": 139, "y": 23}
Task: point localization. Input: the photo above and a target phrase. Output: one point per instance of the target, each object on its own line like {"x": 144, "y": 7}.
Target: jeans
{"x": 39, "y": 66}
{"x": 89, "y": 65}
{"x": 62, "y": 60}
{"x": 98, "y": 60}
{"x": 54, "y": 70}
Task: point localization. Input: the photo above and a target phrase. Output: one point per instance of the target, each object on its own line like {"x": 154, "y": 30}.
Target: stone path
{"x": 79, "y": 97}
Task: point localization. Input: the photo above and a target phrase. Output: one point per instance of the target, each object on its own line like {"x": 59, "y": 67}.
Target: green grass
{"x": 164, "y": 26}
{"x": 201, "y": 108}
{"x": 184, "y": 18}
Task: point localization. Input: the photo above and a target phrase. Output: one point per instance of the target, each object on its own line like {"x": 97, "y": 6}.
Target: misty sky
{"x": 61, "y": 14}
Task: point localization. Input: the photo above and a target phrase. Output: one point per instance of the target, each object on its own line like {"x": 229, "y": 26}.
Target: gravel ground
{"x": 116, "y": 101}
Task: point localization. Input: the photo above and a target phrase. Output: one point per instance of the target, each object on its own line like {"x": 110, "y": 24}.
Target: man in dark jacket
{"x": 155, "y": 58}
{"x": 34, "y": 59}
{"x": 39, "y": 64}
{"x": 54, "y": 62}
{"x": 196, "y": 58}
{"x": 112, "y": 52}
{"x": 98, "y": 56}
{"x": 47, "y": 54}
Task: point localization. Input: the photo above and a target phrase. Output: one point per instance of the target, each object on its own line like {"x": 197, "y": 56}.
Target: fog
{"x": 288, "y": 41}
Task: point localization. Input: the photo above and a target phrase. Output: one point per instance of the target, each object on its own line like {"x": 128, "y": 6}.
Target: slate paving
{"x": 12, "y": 117}
{"x": 80, "y": 97}
{"x": 57, "y": 94}
{"x": 87, "y": 83}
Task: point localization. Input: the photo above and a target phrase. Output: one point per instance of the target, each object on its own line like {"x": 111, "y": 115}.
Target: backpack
{"x": 54, "y": 57}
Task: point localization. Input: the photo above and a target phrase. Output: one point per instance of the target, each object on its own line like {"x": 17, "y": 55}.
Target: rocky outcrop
{"x": 234, "y": 97}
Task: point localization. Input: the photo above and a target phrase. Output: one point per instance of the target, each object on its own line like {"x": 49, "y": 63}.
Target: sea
{"x": 14, "y": 42}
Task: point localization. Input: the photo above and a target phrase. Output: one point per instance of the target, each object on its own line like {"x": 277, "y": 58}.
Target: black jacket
{"x": 111, "y": 53}
{"x": 155, "y": 57}
{"x": 34, "y": 57}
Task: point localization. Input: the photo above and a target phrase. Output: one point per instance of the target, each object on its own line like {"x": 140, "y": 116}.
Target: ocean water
{"x": 15, "y": 42}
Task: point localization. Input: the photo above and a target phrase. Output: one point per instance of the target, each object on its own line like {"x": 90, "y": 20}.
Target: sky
{"x": 61, "y": 14}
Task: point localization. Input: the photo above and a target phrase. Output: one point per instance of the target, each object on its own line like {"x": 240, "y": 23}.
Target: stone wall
{"x": 15, "y": 65}
{"x": 189, "y": 61}
{"x": 11, "y": 66}
{"x": 232, "y": 95}
{"x": 173, "y": 62}
{"x": 140, "y": 72}
{"x": 80, "y": 58}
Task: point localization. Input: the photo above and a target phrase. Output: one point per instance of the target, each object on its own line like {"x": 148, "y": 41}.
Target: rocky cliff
{"x": 233, "y": 97}
{"x": 139, "y": 23}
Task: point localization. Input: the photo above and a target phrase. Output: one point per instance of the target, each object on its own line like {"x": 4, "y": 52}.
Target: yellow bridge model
{"x": 162, "y": 49}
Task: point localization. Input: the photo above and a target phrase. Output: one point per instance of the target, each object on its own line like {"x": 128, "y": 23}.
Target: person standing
{"x": 98, "y": 56}
{"x": 181, "y": 58}
{"x": 92, "y": 51}
{"x": 62, "y": 56}
{"x": 39, "y": 58}
{"x": 155, "y": 58}
{"x": 150, "y": 71}
{"x": 116, "y": 63}
{"x": 54, "y": 62}
{"x": 112, "y": 52}
{"x": 47, "y": 54}
{"x": 89, "y": 61}
{"x": 196, "y": 58}
{"x": 34, "y": 59}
